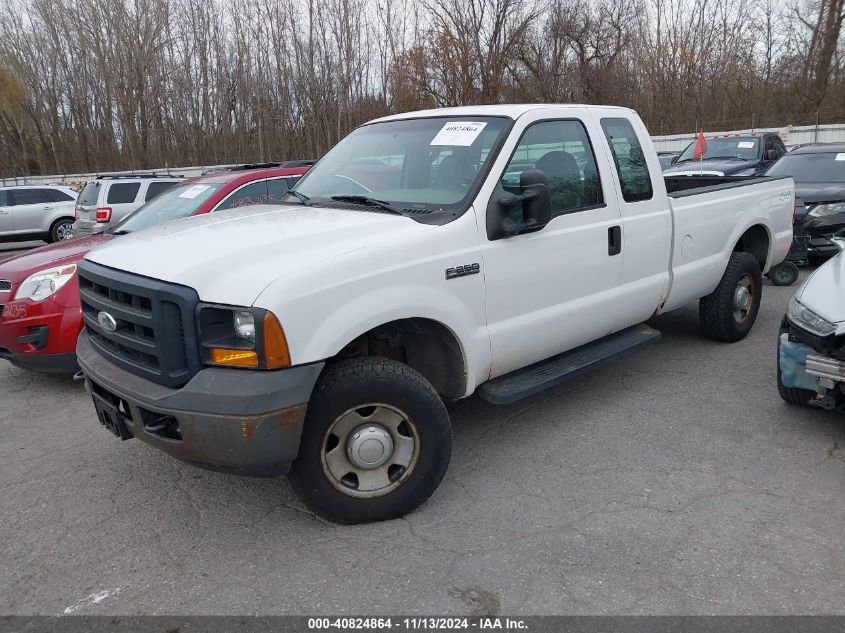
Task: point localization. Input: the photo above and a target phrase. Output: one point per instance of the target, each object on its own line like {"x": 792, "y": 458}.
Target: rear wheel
{"x": 60, "y": 229}
{"x": 728, "y": 313}
{"x": 784, "y": 274}
{"x": 375, "y": 445}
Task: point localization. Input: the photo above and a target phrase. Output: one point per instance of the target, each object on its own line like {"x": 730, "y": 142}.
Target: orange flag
{"x": 700, "y": 146}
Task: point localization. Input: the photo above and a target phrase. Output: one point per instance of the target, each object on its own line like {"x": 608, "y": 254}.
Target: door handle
{"x": 614, "y": 240}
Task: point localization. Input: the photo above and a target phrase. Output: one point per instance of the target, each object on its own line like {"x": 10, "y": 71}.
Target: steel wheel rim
{"x": 784, "y": 274}
{"x": 63, "y": 231}
{"x": 743, "y": 298}
{"x": 370, "y": 421}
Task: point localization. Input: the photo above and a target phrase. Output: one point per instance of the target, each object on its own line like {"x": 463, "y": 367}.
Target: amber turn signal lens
{"x": 276, "y": 353}
{"x": 234, "y": 357}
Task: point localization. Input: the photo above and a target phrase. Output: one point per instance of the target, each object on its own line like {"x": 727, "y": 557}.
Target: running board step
{"x": 527, "y": 381}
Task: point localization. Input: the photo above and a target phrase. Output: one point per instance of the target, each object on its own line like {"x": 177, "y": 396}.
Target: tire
{"x": 784, "y": 274}
{"x": 59, "y": 229}
{"x": 720, "y": 318}
{"x": 355, "y": 404}
{"x": 797, "y": 397}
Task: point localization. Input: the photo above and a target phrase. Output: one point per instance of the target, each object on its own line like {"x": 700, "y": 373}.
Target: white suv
{"x": 106, "y": 200}
{"x": 35, "y": 213}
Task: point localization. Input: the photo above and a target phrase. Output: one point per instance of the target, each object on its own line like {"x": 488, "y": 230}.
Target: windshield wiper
{"x": 372, "y": 202}
{"x": 118, "y": 232}
{"x": 299, "y": 196}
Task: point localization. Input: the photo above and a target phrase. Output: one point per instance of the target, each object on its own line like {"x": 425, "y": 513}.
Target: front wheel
{"x": 375, "y": 445}
{"x": 728, "y": 313}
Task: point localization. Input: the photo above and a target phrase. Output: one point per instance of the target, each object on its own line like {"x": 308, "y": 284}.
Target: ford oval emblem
{"x": 107, "y": 321}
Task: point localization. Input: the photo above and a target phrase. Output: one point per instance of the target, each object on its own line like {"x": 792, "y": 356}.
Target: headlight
{"x": 42, "y": 284}
{"x": 821, "y": 210}
{"x": 244, "y": 323}
{"x": 805, "y": 318}
{"x": 242, "y": 337}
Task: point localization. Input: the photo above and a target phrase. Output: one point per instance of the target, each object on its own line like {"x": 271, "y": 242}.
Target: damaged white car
{"x": 811, "y": 353}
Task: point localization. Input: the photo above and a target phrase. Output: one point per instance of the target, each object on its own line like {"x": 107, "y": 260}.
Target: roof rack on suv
{"x": 148, "y": 174}
{"x": 304, "y": 162}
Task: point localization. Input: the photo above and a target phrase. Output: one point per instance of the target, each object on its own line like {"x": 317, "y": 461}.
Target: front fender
{"x": 317, "y": 331}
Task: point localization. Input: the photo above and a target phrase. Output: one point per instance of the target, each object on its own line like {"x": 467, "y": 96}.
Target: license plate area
{"x": 111, "y": 417}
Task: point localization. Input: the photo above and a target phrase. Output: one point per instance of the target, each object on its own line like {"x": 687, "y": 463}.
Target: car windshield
{"x": 430, "y": 163}
{"x": 821, "y": 167}
{"x": 743, "y": 148}
{"x": 175, "y": 203}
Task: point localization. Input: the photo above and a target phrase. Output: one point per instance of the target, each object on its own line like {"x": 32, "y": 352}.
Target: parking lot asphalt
{"x": 672, "y": 481}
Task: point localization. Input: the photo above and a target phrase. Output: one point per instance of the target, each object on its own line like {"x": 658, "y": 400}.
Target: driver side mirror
{"x": 771, "y": 154}
{"x": 536, "y": 198}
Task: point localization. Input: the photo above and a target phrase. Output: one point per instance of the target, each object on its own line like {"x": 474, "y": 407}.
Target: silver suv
{"x": 31, "y": 212}
{"x": 105, "y": 201}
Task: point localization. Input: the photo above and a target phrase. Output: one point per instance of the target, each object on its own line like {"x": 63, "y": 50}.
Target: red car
{"x": 40, "y": 317}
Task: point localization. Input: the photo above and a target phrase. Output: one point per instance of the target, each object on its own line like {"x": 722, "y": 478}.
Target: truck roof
{"x": 510, "y": 110}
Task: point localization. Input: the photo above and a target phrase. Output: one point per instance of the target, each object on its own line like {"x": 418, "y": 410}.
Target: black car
{"x": 819, "y": 174}
{"x": 736, "y": 155}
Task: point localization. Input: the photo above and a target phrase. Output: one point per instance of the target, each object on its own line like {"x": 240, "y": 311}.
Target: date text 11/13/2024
{"x": 416, "y": 624}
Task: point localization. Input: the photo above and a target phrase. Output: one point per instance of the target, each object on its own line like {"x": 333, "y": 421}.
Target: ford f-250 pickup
{"x": 428, "y": 256}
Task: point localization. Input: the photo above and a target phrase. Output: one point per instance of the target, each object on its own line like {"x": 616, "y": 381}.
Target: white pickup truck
{"x": 428, "y": 256}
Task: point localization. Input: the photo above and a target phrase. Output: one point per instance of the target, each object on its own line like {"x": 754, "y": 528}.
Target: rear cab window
{"x": 629, "y": 159}
{"x": 122, "y": 192}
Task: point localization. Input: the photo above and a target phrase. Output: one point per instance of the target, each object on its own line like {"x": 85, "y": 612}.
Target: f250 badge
{"x": 463, "y": 271}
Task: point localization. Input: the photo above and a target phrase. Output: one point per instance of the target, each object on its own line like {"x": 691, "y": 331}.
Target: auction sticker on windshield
{"x": 840, "y": 157}
{"x": 746, "y": 144}
{"x": 462, "y": 133}
{"x": 193, "y": 192}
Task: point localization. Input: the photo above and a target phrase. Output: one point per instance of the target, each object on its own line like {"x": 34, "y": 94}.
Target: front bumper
{"x": 235, "y": 420}
{"x": 820, "y": 230}
{"x": 40, "y": 336}
{"x": 807, "y": 361}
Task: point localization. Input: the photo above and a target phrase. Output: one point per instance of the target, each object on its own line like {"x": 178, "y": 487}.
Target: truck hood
{"x": 19, "y": 267}
{"x": 716, "y": 167}
{"x": 824, "y": 290}
{"x": 231, "y": 256}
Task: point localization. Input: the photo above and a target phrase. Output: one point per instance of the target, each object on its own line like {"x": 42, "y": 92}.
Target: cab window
{"x": 629, "y": 159}
{"x": 253, "y": 193}
{"x": 562, "y": 151}
{"x": 122, "y": 192}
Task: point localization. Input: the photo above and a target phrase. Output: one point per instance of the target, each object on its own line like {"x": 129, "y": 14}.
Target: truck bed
{"x": 709, "y": 214}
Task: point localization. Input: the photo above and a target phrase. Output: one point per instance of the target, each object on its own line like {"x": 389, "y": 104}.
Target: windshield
{"x": 827, "y": 167}
{"x": 175, "y": 203}
{"x": 726, "y": 148}
{"x": 430, "y": 163}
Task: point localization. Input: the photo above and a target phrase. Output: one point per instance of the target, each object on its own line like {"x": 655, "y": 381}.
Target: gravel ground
{"x": 674, "y": 481}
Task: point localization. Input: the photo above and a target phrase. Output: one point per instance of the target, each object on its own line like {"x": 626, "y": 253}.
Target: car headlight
{"x": 38, "y": 286}
{"x": 805, "y": 318}
{"x": 242, "y": 337}
{"x": 821, "y": 210}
